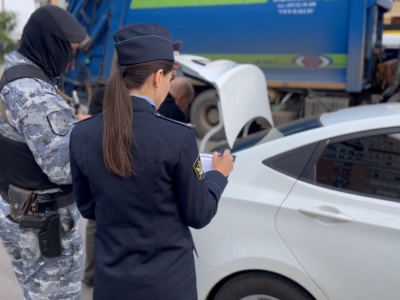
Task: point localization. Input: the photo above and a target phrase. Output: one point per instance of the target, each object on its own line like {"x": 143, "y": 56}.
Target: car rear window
{"x": 275, "y": 133}
{"x": 299, "y": 126}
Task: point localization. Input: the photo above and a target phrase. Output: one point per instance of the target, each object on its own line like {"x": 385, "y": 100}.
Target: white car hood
{"x": 241, "y": 88}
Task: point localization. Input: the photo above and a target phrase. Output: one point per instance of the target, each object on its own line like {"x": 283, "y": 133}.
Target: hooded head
{"x": 47, "y": 37}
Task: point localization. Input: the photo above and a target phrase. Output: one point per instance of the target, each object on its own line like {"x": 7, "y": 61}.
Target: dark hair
{"x": 118, "y": 114}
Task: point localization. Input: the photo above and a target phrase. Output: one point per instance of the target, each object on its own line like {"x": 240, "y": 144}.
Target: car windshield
{"x": 275, "y": 133}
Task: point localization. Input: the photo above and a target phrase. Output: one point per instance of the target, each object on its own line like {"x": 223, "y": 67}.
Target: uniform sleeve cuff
{"x": 218, "y": 178}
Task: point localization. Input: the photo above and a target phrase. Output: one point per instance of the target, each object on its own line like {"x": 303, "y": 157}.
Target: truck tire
{"x": 261, "y": 285}
{"x": 204, "y": 114}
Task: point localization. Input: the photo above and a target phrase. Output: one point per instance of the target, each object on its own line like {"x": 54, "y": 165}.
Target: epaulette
{"x": 174, "y": 121}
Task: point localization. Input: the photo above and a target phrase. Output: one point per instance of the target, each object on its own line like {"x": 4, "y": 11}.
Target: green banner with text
{"x": 141, "y": 4}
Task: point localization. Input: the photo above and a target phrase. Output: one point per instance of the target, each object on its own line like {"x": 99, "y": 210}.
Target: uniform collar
{"x": 142, "y": 104}
{"x": 145, "y": 98}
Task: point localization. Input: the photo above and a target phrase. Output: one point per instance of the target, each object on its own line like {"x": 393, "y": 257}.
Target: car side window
{"x": 292, "y": 163}
{"x": 367, "y": 165}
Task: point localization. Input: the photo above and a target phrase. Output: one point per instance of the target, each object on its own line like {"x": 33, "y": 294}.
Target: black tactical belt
{"x": 52, "y": 202}
{"x": 49, "y": 202}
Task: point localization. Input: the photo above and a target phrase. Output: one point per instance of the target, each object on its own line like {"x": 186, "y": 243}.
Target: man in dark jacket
{"x": 175, "y": 106}
{"x": 95, "y": 108}
{"x": 96, "y": 103}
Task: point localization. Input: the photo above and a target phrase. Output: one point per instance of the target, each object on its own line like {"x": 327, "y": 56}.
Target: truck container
{"x": 315, "y": 54}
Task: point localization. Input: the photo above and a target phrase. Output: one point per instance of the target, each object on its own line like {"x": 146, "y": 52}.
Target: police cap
{"x": 142, "y": 43}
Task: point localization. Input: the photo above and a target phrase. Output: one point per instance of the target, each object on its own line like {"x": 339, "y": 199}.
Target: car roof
{"x": 357, "y": 113}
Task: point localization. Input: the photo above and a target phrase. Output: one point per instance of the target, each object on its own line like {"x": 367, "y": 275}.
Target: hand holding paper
{"x": 222, "y": 162}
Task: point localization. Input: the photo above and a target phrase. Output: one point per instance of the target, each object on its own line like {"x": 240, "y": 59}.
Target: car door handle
{"x": 325, "y": 212}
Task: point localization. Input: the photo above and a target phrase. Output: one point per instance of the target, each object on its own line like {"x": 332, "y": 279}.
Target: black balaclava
{"x": 47, "y": 37}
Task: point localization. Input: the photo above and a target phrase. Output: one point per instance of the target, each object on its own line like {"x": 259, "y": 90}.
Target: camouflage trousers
{"x": 41, "y": 277}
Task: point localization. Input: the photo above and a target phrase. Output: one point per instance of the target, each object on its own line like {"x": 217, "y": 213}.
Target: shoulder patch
{"x": 58, "y": 123}
{"x": 198, "y": 168}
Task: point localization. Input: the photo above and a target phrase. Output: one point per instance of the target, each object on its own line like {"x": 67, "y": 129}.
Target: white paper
{"x": 206, "y": 161}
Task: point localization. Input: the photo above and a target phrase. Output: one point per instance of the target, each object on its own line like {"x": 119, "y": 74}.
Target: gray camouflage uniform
{"x": 39, "y": 117}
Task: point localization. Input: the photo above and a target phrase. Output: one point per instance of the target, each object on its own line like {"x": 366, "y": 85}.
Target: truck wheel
{"x": 261, "y": 286}
{"x": 204, "y": 114}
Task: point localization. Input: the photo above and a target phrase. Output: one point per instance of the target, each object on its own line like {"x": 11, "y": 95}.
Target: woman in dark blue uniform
{"x": 140, "y": 177}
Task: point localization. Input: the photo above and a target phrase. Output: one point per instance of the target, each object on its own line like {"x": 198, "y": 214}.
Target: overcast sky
{"x": 23, "y": 9}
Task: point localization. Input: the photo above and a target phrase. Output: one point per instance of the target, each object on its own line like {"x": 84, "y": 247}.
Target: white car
{"x": 311, "y": 211}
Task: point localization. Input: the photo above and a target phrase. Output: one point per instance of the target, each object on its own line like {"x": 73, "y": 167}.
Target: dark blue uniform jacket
{"x": 143, "y": 246}
{"x": 170, "y": 110}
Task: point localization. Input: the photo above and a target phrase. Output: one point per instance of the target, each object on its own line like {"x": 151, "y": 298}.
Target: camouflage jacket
{"x": 39, "y": 117}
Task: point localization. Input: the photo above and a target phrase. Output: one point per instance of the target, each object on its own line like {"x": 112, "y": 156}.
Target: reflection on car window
{"x": 276, "y": 132}
{"x": 369, "y": 165}
{"x": 249, "y": 141}
{"x": 299, "y": 126}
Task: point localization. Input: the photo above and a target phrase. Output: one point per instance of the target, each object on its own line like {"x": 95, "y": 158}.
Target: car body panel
{"x": 243, "y": 95}
{"x": 258, "y": 226}
{"x": 363, "y": 252}
{"x": 283, "y": 144}
{"x": 238, "y": 85}
{"x": 207, "y": 277}
{"x": 230, "y": 244}
{"x": 354, "y": 114}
